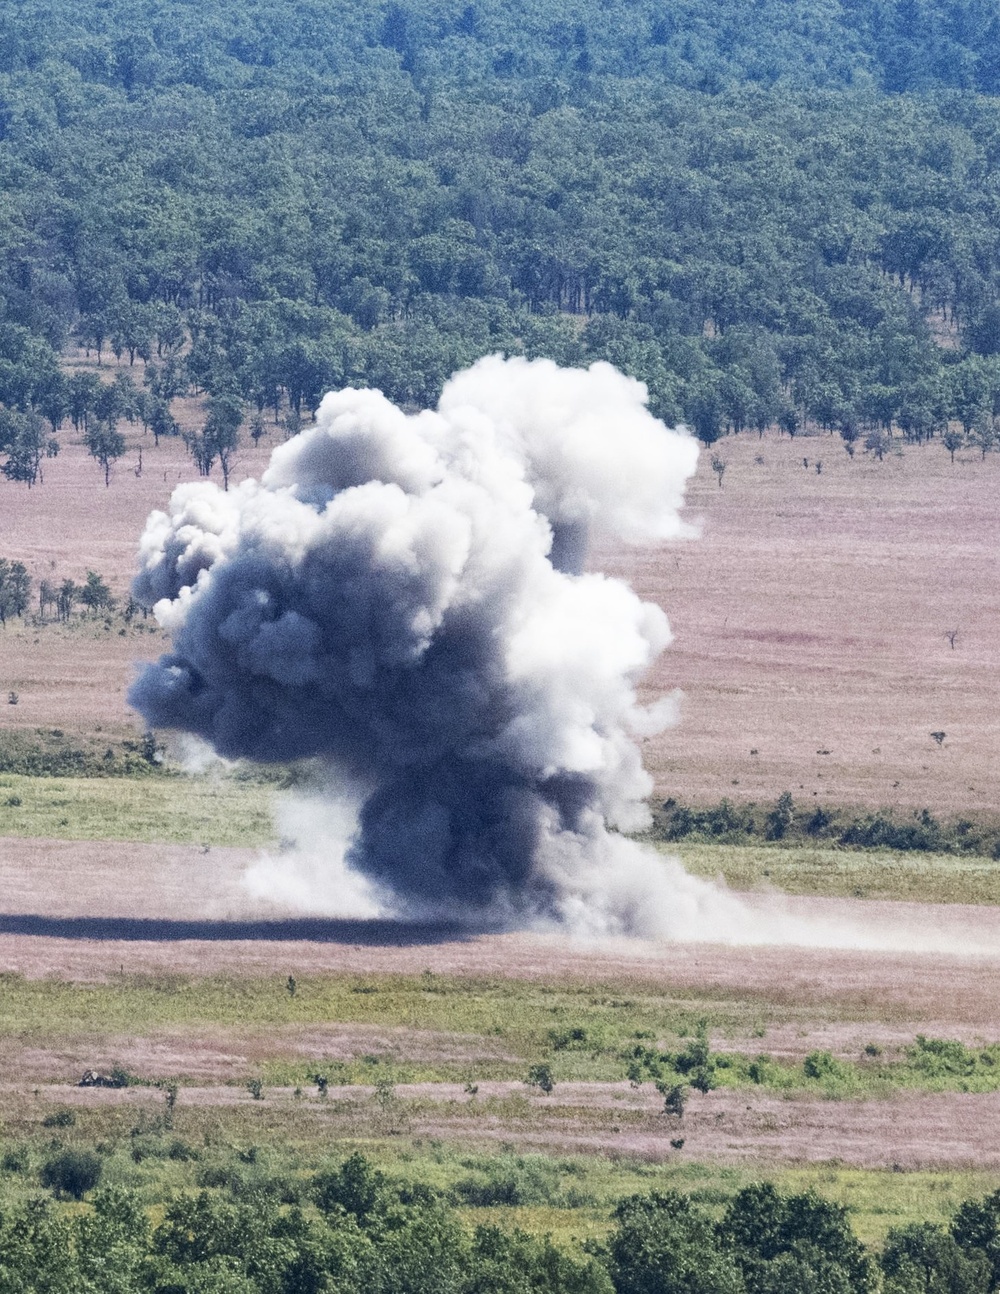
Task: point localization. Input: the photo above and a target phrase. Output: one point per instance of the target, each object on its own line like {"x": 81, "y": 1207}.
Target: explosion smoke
{"x": 403, "y": 597}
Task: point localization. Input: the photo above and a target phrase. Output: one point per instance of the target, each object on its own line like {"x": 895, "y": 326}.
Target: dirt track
{"x": 78, "y": 909}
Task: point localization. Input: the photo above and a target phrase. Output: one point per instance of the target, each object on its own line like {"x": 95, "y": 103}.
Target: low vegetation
{"x": 186, "y": 1216}
{"x": 845, "y": 873}
{"x": 386, "y": 1031}
{"x": 175, "y": 809}
{"x": 786, "y": 823}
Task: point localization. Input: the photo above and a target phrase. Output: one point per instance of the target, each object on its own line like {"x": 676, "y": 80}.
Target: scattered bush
{"x": 17, "y": 1160}
{"x": 781, "y": 824}
{"x": 540, "y": 1076}
{"x": 59, "y": 1119}
{"x": 511, "y": 1181}
{"x": 72, "y": 1173}
{"x": 822, "y": 1064}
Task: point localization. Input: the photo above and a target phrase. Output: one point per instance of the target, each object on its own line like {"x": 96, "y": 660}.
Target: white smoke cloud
{"x": 403, "y": 598}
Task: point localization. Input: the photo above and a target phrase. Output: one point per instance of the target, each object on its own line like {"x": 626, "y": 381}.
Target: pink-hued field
{"x": 809, "y": 618}
{"x": 810, "y": 623}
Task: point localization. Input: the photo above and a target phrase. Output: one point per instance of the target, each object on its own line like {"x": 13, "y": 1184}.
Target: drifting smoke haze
{"x": 404, "y": 599}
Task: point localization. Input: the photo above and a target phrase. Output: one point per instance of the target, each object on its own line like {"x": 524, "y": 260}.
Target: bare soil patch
{"x": 810, "y": 617}
{"x": 130, "y": 883}
{"x": 224, "y": 1055}
{"x": 809, "y": 623}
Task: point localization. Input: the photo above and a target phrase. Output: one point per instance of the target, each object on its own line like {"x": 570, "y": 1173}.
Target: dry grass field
{"x": 810, "y": 625}
{"x": 809, "y": 618}
{"x": 810, "y": 622}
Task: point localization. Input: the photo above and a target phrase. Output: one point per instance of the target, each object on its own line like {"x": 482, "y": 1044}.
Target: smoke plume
{"x": 404, "y": 599}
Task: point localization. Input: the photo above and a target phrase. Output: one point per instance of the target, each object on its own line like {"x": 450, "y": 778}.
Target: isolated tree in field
{"x": 161, "y": 421}
{"x": 540, "y": 1076}
{"x": 984, "y": 433}
{"x": 109, "y": 404}
{"x": 68, "y": 597}
{"x": 83, "y": 389}
{"x": 48, "y": 596}
{"x": 15, "y": 589}
{"x": 849, "y": 432}
{"x": 23, "y": 440}
{"x": 53, "y": 399}
{"x": 95, "y": 594}
{"x": 200, "y": 450}
{"x": 128, "y": 396}
{"x": 72, "y": 1173}
{"x": 877, "y": 442}
{"x": 106, "y": 444}
{"x": 952, "y": 440}
{"x": 788, "y": 420}
{"x": 222, "y": 431}
{"x": 674, "y": 1097}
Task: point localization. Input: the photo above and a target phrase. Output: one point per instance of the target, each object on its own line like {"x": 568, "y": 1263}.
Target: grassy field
{"x": 567, "y": 1196}
{"x": 435, "y": 1028}
{"x": 846, "y": 873}
{"x": 784, "y": 692}
{"x": 226, "y": 810}
{"x": 174, "y": 810}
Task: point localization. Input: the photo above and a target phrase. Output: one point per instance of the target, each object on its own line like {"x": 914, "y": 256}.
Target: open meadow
{"x": 810, "y": 623}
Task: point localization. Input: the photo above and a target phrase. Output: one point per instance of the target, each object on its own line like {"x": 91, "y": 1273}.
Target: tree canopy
{"x": 769, "y": 214}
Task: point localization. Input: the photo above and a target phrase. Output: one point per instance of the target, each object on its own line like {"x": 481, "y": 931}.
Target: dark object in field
{"x": 72, "y": 1173}
{"x": 93, "y": 1078}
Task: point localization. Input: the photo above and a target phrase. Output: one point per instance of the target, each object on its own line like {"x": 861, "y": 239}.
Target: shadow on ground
{"x": 368, "y": 933}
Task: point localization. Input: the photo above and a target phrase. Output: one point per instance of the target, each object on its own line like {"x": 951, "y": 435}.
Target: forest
{"x": 786, "y": 214}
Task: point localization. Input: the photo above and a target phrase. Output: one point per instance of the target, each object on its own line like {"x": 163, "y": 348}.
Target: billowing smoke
{"x": 404, "y": 598}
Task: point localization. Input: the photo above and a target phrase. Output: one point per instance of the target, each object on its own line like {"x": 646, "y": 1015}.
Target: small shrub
{"x": 540, "y": 1076}
{"x": 16, "y": 1161}
{"x": 385, "y": 1092}
{"x": 821, "y": 1064}
{"x": 674, "y": 1098}
{"x": 817, "y": 822}
{"x": 779, "y": 820}
{"x": 511, "y": 1182}
{"x": 59, "y": 1119}
{"x": 561, "y": 1039}
{"x": 72, "y": 1173}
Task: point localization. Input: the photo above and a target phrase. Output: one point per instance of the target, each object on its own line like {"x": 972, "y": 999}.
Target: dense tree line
{"x": 266, "y": 200}
{"x": 353, "y": 1229}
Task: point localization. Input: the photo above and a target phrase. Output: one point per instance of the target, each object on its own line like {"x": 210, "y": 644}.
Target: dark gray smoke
{"x": 403, "y": 598}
